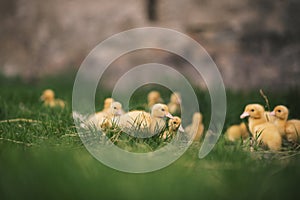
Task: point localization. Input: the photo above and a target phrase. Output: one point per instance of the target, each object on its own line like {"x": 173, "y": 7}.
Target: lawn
{"x": 44, "y": 158}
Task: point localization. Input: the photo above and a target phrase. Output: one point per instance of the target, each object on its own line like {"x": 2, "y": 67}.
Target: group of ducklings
{"x": 155, "y": 121}
{"x": 269, "y": 128}
{"x": 159, "y": 119}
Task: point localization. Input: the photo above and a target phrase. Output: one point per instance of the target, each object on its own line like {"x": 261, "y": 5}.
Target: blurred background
{"x": 255, "y": 43}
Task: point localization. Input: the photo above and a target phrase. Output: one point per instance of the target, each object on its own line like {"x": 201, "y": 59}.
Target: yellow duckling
{"x": 260, "y": 128}
{"x": 106, "y": 119}
{"x": 288, "y": 128}
{"x": 48, "y": 97}
{"x": 174, "y": 105}
{"x": 155, "y": 121}
{"x": 237, "y": 132}
{"x": 174, "y": 125}
{"x": 196, "y": 126}
{"x": 154, "y": 98}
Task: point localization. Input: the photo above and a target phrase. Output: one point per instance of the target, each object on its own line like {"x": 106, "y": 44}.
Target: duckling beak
{"x": 181, "y": 129}
{"x": 118, "y": 113}
{"x": 169, "y": 115}
{"x": 245, "y": 114}
{"x": 272, "y": 113}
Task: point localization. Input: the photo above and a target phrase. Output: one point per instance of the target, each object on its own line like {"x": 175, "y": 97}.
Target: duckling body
{"x": 237, "y": 132}
{"x": 155, "y": 121}
{"x": 48, "y": 97}
{"x": 196, "y": 127}
{"x": 269, "y": 135}
{"x": 263, "y": 131}
{"x": 135, "y": 118}
{"x": 292, "y": 130}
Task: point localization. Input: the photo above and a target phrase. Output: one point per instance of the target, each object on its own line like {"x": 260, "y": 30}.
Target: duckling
{"x": 154, "y": 98}
{"x": 155, "y": 121}
{"x": 174, "y": 125}
{"x": 266, "y": 132}
{"x": 281, "y": 114}
{"x": 48, "y": 97}
{"x": 174, "y": 105}
{"x": 106, "y": 119}
{"x": 292, "y": 130}
{"x": 196, "y": 126}
{"x": 287, "y": 128}
{"x": 237, "y": 132}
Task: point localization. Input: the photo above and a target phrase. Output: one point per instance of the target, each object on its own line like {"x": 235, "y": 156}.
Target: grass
{"x": 45, "y": 158}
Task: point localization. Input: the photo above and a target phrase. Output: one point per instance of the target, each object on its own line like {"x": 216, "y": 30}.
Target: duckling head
{"x": 160, "y": 111}
{"x": 280, "y": 112}
{"x": 255, "y": 111}
{"x": 175, "y": 98}
{"x": 48, "y": 95}
{"x": 116, "y": 108}
{"x": 175, "y": 124}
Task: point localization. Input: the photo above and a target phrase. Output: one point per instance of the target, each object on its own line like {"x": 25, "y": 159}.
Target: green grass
{"x": 46, "y": 158}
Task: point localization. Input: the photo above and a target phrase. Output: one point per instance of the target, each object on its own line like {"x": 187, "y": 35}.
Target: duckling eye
{"x": 252, "y": 110}
{"x": 163, "y": 109}
{"x": 279, "y": 111}
{"x": 174, "y": 122}
{"x": 115, "y": 107}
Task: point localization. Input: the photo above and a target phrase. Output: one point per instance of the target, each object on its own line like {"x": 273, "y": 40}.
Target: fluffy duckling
{"x": 174, "y": 125}
{"x": 174, "y": 105}
{"x": 292, "y": 130}
{"x": 155, "y": 121}
{"x": 106, "y": 119}
{"x": 288, "y": 128}
{"x": 266, "y": 132}
{"x": 236, "y": 132}
{"x": 48, "y": 97}
{"x": 196, "y": 126}
{"x": 154, "y": 98}
{"x": 281, "y": 114}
